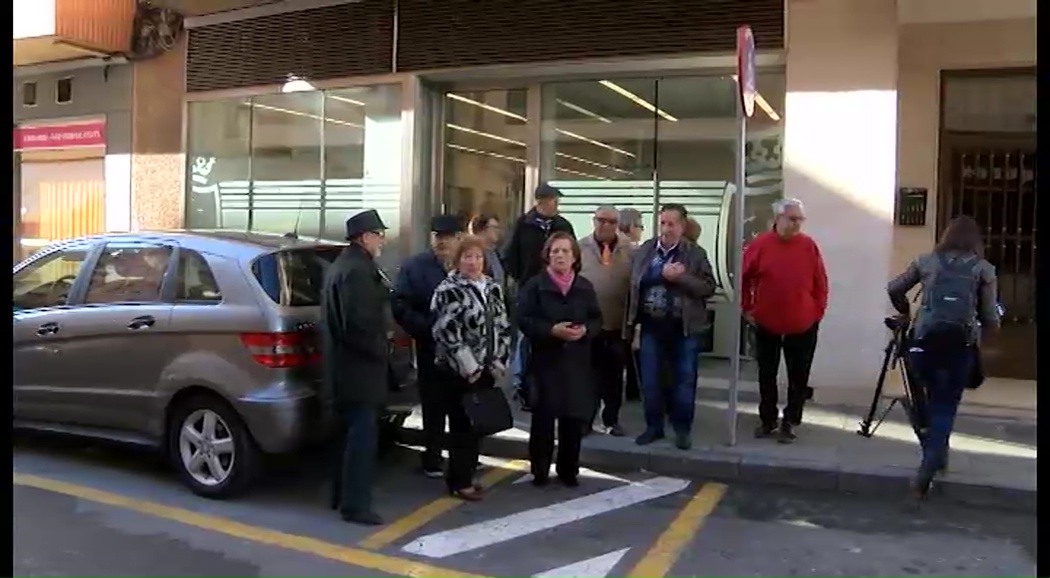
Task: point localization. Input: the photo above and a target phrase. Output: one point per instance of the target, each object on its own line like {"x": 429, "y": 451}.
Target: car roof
{"x": 239, "y": 244}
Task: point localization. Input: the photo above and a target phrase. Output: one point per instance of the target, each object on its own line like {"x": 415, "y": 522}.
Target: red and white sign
{"x": 60, "y": 136}
{"x": 745, "y": 68}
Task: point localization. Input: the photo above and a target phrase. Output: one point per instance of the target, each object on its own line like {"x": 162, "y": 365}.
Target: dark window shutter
{"x": 456, "y": 33}
{"x": 353, "y": 39}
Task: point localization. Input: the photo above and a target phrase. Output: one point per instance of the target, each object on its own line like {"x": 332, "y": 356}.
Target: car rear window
{"x": 293, "y": 277}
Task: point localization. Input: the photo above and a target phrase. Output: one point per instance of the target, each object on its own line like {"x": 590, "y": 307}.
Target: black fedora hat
{"x": 446, "y": 224}
{"x": 364, "y": 222}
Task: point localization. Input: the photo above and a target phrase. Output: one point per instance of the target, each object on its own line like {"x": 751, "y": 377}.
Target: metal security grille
{"x": 995, "y": 182}
{"x": 343, "y": 40}
{"x": 459, "y": 33}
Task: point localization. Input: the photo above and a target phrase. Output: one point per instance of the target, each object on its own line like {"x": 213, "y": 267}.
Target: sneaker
{"x": 683, "y": 441}
{"x": 786, "y": 434}
{"x": 765, "y": 431}
{"x": 616, "y": 430}
{"x": 648, "y": 437}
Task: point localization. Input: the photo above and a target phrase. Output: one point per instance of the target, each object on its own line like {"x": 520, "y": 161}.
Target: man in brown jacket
{"x": 606, "y": 262}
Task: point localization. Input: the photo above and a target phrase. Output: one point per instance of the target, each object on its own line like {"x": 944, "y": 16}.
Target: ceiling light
{"x": 485, "y": 134}
{"x": 517, "y": 160}
{"x": 487, "y": 107}
{"x": 583, "y": 111}
{"x": 635, "y": 98}
{"x": 344, "y": 99}
{"x": 590, "y": 162}
{"x": 763, "y": 104}
{"x": 594, "y": 142}
{"x": 300, "y": 113}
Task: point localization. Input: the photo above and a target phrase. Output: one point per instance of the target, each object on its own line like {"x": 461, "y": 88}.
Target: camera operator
{"x": 958, "y": 300}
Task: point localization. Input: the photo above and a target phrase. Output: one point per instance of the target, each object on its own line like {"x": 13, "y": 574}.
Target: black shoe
{"x": 786, "y": 435}
{"x": 765, "y": 431}
{"x": 366, "y": 518}
{"x": 569, "y": 481}
{"x": 433, "y": 468}
{"x": 683, "y": 441}
{"x": 648, "y": 437}
{"x": 617, "y": 431}
{"x": 921, "y": 484}
{"x": 540, "y": 481}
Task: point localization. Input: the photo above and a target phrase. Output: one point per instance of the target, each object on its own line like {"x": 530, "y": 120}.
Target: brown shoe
{"x": 470, "y": 494}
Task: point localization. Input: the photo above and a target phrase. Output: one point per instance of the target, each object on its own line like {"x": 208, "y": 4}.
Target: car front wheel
{"x": 211, "y": 449}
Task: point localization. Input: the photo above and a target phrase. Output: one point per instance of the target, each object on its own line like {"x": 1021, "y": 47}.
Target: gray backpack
{"x": 949, "y": 303}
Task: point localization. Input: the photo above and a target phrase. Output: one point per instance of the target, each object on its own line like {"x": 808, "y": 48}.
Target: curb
{"x": 724, "y": 466}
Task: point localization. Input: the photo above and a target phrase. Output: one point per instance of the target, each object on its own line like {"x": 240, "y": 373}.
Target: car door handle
{"x": 47, "y": 329}
{"x": 143, "y": 322}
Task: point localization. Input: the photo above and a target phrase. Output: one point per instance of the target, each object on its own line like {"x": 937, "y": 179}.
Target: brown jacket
{"x": 611, "y": 282}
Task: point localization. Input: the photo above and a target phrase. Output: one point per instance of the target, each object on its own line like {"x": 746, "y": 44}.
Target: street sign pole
{"x": 745, "y": 74}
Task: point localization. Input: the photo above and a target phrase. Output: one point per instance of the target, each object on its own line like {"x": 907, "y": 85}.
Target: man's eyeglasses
{"x": 606, "y": 221}
{"x": 379, "y": 233}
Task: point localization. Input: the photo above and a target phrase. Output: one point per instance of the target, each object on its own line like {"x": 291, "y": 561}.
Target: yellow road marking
{"x": 313, "y": 546}
{"x": 428, "y": 513}
{"x": 662, "y": 555}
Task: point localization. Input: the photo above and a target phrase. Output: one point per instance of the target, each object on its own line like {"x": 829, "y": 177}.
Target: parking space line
{"x": 313, "y": 546}
{"x": 657, "y": 562}
{"x": 428, "y": 513}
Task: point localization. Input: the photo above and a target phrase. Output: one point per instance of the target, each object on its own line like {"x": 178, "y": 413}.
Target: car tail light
{"x": 282, "y": 350}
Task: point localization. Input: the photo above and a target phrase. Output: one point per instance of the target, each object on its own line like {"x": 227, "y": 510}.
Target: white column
{"x": 118, "y": 192}
{"x": 840, "y": 159}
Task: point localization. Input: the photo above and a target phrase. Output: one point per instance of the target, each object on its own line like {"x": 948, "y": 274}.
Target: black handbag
{"x": 487, "y": 407}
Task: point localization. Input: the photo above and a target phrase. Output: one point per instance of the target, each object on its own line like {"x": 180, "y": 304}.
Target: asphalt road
{"x": 82, "y": 510}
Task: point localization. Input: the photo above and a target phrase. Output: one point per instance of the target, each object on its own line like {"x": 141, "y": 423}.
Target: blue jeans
{"x": 943, "y": 376}
{"x": 681, "y": 354}
{"x": 352, "y": 483}
{"x": 517, "y": 363}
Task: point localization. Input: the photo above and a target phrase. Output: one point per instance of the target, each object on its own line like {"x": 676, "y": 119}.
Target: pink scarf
{"x": 562, "y": 280}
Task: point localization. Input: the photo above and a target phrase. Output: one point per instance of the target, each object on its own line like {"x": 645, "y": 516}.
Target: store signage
{"x": 745, "y": 68}
{"x": 60, "y": 136}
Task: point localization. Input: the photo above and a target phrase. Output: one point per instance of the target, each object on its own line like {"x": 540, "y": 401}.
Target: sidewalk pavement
{"x": 993, "y": 459}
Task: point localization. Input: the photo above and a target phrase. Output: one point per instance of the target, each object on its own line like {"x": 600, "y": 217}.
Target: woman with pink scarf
{"x": 558, "y": 312}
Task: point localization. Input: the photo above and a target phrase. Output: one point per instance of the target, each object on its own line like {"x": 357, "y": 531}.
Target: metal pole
{"x": 737, "y": 248}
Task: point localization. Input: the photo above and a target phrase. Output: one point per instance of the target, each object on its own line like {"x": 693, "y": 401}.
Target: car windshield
{"x": 293, "y": 277}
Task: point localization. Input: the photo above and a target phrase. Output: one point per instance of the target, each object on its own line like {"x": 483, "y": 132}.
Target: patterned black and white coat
{"x": 459, "y": 308}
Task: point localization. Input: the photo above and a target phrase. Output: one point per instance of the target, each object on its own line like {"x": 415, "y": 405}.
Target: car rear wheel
{"x": 211, "y": 449}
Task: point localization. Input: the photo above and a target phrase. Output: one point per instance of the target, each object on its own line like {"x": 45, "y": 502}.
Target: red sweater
{"x": 785, "y": 286}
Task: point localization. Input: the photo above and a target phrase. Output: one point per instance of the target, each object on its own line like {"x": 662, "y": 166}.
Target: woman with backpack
{"x": 958, "y": 301}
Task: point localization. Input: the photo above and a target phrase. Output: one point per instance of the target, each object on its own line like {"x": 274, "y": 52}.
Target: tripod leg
{"x": 865, "y": 426}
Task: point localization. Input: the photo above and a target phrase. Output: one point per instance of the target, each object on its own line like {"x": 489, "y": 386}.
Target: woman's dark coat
{"x": 560, "y": 373}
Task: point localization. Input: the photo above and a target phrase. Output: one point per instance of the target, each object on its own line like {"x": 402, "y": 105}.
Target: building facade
{"x": 886, "y": 118}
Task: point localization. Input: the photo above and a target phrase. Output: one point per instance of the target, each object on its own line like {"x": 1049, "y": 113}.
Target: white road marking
{"x": 489, "y": 532}
{"x": 597, "y": 567}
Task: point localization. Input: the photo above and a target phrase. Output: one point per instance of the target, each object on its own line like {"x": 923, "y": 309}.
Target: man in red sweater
{"x": 785, "y": 294}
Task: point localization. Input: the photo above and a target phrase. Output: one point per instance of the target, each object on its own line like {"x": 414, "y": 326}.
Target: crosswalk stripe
{"x": 597, "y": 567}
{"x": 489, "y": 532}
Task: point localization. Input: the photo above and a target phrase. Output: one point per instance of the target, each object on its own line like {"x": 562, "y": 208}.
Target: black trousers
{"x": 609, "y": 357}
{"x": 798, "y": 349}
{"x": 463, "y": 443}
{"x": 541, "y": 444}
{"x": 355, "y": 468}
{"x": 432, "y": 393}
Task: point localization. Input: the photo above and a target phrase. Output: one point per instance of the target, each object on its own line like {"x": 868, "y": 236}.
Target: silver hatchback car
{"x": 201, "y": 344}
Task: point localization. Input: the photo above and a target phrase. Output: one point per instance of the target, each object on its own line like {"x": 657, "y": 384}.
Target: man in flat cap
{"x": 419, "y": 276}
{"x": 355, "y": 351}
{"x": 522, "y": 260}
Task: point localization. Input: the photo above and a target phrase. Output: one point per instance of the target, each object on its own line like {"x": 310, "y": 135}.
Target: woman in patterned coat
{"x": 472, "y": 338}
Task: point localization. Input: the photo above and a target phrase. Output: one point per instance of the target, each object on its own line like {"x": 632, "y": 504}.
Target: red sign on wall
{"x": 60, "y": 136}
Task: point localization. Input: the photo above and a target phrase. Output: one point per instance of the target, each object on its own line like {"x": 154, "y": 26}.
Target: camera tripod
{"x": 914, "y": 399}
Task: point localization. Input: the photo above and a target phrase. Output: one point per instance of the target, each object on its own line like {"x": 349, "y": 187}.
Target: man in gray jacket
{"x": 671, "y": 281}
{"x": 605, "y": 260}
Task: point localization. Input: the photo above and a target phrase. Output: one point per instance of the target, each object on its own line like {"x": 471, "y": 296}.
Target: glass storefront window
{"x": 485, "y": 153}
{"x": 643, "y": 143}
{"x": 301, "y": 161}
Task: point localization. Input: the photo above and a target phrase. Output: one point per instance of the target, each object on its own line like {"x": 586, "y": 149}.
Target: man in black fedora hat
{"x": 416, "y": 282}
{"x": 522, "y": 259}
{"x": 355, "y": 301}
